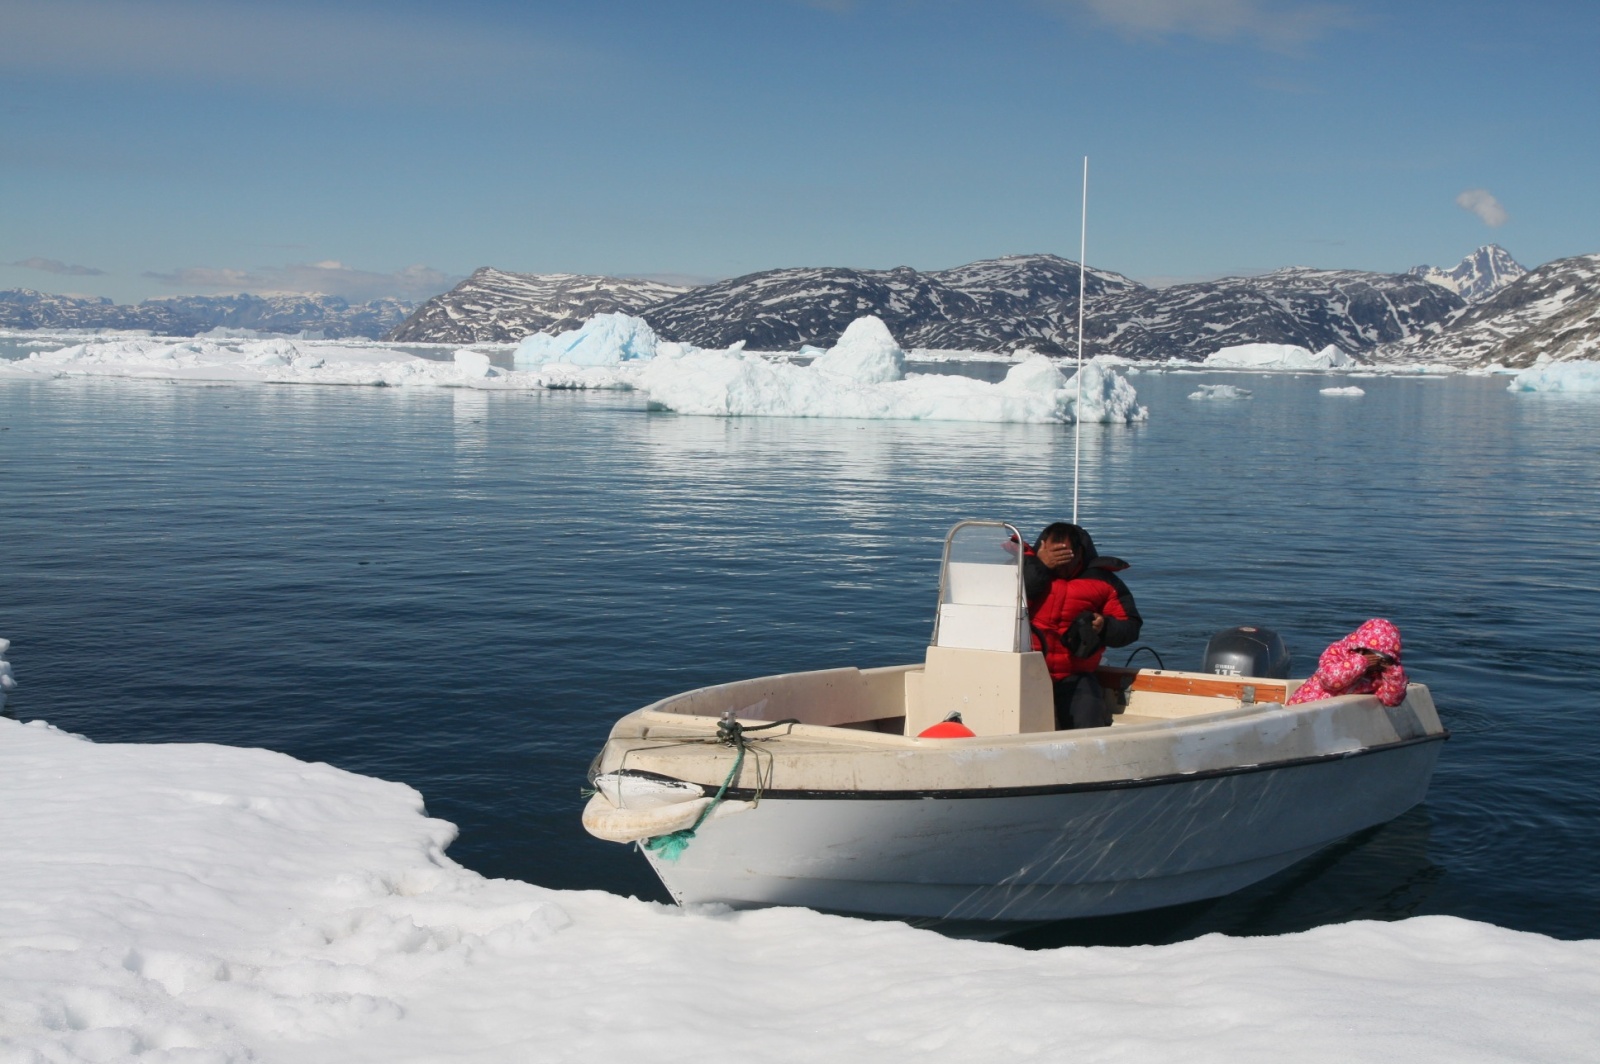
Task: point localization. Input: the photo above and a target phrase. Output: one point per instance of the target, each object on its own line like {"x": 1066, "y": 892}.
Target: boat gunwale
{"x": 700, "y": 725}
{"x": 1040, "y": 790}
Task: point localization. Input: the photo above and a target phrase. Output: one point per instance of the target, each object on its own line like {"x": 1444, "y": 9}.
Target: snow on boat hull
{"x": 1076, "y": 852}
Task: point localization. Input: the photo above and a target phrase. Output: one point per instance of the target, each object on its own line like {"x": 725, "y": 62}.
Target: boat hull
{"x": 1040, "y": 854}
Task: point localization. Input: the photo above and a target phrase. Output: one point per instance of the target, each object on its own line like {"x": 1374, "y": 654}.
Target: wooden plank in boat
{"x": 1183, "y": 684}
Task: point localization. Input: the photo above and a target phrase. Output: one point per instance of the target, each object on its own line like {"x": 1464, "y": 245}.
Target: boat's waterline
{"x": 1074, "y": 853}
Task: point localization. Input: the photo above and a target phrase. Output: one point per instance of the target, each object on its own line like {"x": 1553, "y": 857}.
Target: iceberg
{"x": 1352, "y": 390}
{"x": 603, "y": 340}
{"x": 864, "y": 375}
{"x": 1278, "y": 357}
{"x": 194, "y": 902}
{"x": 1578, "y": 375}
{"x": 1219, "y": 391}
{"x": 737, "y": 384}
{"x": 866, "y": 353}
{"x": 277, "y": 361}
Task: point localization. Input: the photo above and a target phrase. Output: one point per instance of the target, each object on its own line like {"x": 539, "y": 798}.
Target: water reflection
{"x": 469, "y": 416}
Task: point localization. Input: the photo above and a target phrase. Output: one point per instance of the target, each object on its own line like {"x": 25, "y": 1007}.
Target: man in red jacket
{"x": 1077, "y": 606}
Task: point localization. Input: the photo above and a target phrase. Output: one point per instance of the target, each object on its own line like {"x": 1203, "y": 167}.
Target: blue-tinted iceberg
{"x": 1580, "y": 375}
{"x": 603, "y": 340}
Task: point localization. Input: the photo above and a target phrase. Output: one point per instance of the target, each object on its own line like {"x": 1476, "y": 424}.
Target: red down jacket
{"x": 1054, "y": 602}
{"x": 1343, "y": 671}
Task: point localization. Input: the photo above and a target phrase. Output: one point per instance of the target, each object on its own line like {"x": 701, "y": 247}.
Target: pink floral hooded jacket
{"x": 1343, "y": 671}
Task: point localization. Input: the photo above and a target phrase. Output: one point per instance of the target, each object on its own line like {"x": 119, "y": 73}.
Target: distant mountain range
{"x": 1023, "y": 301}
{"x": 1484, "y": 309}
{"x": 327, "y": 316}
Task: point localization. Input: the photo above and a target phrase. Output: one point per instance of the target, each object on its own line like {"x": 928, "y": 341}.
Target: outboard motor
{"x": 1247, "y": 650}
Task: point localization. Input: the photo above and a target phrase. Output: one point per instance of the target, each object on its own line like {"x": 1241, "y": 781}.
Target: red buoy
{"x": 947, "y": 729}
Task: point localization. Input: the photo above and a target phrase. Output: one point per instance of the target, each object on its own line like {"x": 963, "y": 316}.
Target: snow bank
{"x": 1219, "y": 391}
{"x": 165, "y": 903}
{"x": 1278, "y": 357}
{"x": 603, "y": 340}
{"x": 1580, "y": 375}
{"x": 1351, "y": 391}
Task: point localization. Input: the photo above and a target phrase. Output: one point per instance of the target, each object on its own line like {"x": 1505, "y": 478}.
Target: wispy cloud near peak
{"x": 1481, "y": 201}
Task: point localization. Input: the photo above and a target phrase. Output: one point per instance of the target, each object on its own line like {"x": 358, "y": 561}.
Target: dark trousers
{"x": 1080, "y": 703}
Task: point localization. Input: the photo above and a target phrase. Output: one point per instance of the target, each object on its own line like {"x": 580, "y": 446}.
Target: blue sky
{"x": 165, "y": 146}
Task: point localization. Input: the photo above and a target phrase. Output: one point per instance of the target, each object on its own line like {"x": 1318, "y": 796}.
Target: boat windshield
{"x": 981, "y": 603}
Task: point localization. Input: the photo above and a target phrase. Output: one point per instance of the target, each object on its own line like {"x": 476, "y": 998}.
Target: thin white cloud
{"x": 331, "y": 278}
{"x": 1481, "y": 201}
{"x": 1275, "y": 24}
{"x": 57, "y": 266}
{"x": 283, "y": 48}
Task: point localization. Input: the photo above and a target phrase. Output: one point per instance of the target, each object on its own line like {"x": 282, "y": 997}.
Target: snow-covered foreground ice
{"x": 212, "y": 904}
{"x": 862, "y": 376}
{"x": 1576, "y": 376}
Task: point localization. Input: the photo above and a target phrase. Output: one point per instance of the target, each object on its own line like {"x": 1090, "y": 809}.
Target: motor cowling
{"x": 1247, "y": 650}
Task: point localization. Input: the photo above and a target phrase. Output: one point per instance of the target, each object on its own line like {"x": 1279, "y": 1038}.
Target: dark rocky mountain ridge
{"x": 329, "y": 316}
{"x": 1000, "y": 305}
{"x": 1552, "y": 311}
{"x": 1031, "y": 301}
{"x": 497, "y": 306}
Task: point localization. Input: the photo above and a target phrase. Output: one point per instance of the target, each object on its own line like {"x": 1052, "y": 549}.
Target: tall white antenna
{"x": 1077, "y": 409}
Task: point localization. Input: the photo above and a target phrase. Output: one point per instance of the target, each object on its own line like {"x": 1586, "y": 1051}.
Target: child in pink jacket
{"x": 1365, "y": 662}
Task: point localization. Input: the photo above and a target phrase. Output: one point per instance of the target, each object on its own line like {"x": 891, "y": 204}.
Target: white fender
{"x": 605, "y": 821}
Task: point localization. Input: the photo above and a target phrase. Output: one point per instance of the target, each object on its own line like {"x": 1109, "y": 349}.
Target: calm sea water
{"x": 463, "y": 590}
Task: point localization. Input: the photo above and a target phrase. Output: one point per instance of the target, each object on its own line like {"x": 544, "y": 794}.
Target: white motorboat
{"x": 817, "y": 788}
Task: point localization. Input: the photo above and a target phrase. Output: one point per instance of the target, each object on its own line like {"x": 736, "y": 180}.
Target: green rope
{"x": 670, "y": 847}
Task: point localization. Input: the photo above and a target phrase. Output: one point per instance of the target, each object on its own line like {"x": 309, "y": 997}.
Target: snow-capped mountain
{"x": 1477, "y": 277}
{"x": 329, "y": 316}
{"x": 1001, "y": 305}
{"x": 995, "y": 305}
{"x": 1353, "y": 310}
{"x": 1551, "y": 311}
{"x": 497, "y": 306}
